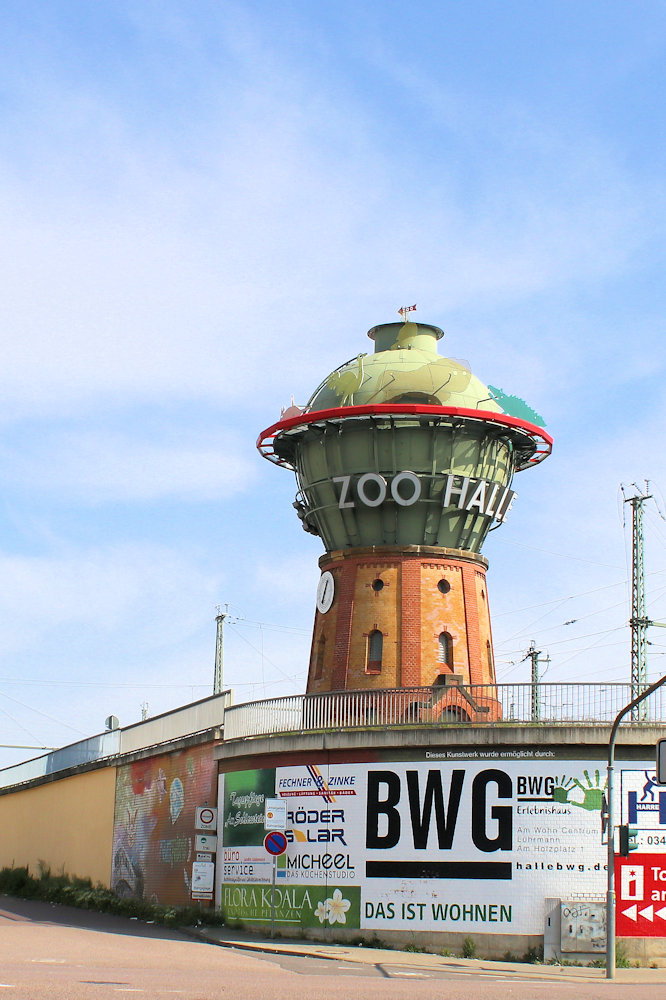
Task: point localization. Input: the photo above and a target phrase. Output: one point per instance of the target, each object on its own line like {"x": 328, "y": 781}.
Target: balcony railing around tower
{"x": 447, "y": 705}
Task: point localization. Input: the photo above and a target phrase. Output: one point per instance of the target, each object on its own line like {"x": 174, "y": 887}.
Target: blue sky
{"x": 204, "y": 207}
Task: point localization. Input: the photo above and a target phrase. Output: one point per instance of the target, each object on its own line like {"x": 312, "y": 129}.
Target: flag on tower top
{"x": 405, "y": 310}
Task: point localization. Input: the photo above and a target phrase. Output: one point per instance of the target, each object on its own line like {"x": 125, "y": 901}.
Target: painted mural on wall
{"x": 452, "y": 841}
{"x": 153, "y": 834}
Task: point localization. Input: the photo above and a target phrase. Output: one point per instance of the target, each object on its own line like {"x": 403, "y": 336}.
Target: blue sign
{"x": 651, "y": 801}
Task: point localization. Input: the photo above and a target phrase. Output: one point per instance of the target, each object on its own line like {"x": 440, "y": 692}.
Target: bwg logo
{"x": 420, "y": 814}
{"x": 649, "y": 806}
{"x": 560, "y": 793}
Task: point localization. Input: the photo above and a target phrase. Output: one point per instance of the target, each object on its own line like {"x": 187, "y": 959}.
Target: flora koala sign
{"x": 451, "y": 840}
{"x": 305, "y": 906}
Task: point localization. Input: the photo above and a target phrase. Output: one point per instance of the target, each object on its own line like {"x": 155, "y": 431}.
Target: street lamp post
{"x": 610, "y": 894}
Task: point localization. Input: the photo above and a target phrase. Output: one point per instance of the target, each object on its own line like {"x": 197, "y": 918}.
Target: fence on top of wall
{"x": 450, "y": 704}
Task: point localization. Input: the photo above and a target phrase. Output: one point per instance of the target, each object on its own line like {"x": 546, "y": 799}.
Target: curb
{"x": 425, "y": 960}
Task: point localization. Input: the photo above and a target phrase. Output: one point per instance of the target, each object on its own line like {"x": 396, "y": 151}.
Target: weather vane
{"x": 405, "y": 311}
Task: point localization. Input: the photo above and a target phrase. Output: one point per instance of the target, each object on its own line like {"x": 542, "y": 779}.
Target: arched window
{"x": 446, "y": 649}
{"x": 375, "y": 652}
{"x": 489, "y": 654}
{"x": 319, "y": 657}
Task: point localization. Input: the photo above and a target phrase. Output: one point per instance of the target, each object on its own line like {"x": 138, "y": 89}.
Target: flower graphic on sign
{"x": 337, "y": 908}
{"x": 334, "y": 909}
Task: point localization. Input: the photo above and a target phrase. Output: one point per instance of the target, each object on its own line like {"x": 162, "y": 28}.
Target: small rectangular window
{"x": 319, "y": 657}
{"x": 445, "y": 649}
{"x": 375, "y": 652}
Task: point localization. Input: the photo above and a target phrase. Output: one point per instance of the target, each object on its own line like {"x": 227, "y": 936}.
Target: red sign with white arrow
{"x": 640, "y": 887}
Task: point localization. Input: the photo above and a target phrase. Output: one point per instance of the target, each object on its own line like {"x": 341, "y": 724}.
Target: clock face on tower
{"x": 325, "y": 592}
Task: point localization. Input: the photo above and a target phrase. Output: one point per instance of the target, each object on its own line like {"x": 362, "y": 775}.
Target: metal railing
{"x": 207, "y": 713}
{"x": 82, "y": 752}
{"x": 450, "y": 704}
{"x": 453, "y": 704}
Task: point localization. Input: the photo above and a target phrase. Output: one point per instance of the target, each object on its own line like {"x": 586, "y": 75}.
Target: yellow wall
{"x": 66, "y": 823}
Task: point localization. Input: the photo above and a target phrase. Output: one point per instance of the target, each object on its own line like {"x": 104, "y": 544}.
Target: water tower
{"x": 404, "y": 462}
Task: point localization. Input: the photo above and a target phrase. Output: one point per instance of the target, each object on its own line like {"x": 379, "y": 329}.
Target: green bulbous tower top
{"x": 405, "y": 447}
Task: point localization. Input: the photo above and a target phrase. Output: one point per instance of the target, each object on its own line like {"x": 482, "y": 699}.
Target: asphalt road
{"x": 60, "y": 953}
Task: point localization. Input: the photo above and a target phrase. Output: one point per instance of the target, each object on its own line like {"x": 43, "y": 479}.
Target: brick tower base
{"x": 411, "y": 616}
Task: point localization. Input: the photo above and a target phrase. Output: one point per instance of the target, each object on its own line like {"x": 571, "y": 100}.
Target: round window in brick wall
{"x": 377, "y": 585}
{"x": 443, "y": 586}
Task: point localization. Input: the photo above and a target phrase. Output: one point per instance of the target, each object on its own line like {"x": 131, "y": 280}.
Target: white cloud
{"x": 290, "y": 579}
{"x": 222, "y": 274}
{"x": 155, "y": 592}
{"x": 101, "y": 466}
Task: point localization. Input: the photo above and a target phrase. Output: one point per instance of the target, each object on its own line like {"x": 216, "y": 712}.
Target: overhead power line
{"x": 45, "y": 714}
{"x": 267, "y": 626}
{"x": 571, "y": 597}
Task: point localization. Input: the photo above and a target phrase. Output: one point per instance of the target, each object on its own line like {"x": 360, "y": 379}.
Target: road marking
{"x": 414, "y": 975}
{"x": 395, "y": 971}
{"x": 495, "y": 977}
{"x": 518, "y": 978}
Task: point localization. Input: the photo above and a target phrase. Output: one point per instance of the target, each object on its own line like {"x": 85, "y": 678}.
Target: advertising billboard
{"x": 470, "y": 841}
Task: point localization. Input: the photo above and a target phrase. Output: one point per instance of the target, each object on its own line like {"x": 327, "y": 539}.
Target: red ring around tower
{"x": 543, "y": 442}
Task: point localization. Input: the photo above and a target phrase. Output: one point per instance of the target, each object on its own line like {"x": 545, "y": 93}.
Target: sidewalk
{"x": 227, "y": 937}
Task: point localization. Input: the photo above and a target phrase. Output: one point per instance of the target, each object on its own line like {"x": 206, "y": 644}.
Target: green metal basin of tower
{"x": 404, "y": 412}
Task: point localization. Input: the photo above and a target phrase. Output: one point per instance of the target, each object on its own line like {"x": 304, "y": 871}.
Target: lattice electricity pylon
{"x": 218, "y": 680}
{"x": 533, "y": 654}
{"x": 638, "y": 621}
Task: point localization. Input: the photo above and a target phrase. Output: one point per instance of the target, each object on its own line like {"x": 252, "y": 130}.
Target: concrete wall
{"x": 206, "y": 714}
{"x": 67, "y": 824}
